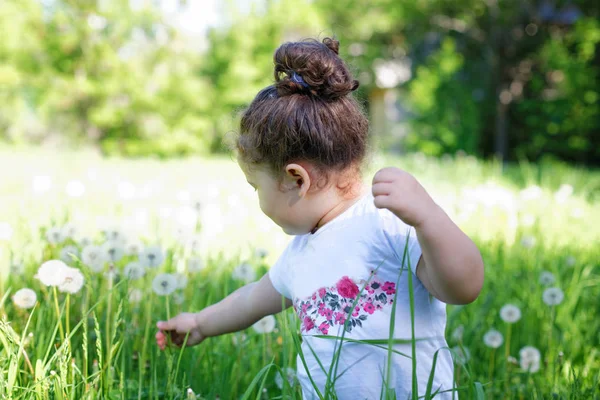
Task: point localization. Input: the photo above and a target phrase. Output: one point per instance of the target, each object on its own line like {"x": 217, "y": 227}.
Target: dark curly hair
{"x": 308, "y": 114}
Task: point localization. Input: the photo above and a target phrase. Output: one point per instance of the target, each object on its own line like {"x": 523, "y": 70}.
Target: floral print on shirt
{"x": 330, "y": 306}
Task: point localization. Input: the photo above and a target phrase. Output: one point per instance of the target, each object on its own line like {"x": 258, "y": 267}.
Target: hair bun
{"x": 312, "y": 68}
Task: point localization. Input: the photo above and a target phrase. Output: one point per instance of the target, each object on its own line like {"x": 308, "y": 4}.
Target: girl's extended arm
{"x": 235, "y": 312}
{"x": 242, "y": 308}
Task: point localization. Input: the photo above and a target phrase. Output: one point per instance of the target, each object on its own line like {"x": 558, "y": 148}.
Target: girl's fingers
{"x": 382, "y": 188}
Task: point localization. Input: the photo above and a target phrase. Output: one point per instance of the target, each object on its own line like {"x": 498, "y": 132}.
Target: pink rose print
{"x": 369, "y": 308}
{"x": 389, "y": 288}
{"x": 340, "y": 318}
{"x": 347, "y": 288}
{"x": 324, "y": 328}
{"x": 308, "y": 324}
{"x": 334, "y": 305}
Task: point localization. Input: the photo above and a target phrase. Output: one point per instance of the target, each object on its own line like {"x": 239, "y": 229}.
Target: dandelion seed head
{"x": 134, "y": 270}
{"x": 69, "y": 231}
{"x": 113, "y": 251}
{"x": 265, "y": 325}
{"x": 457, "y": 334}
{"x": 51, "y": 273}
{"x": 133, "y": 248}
{"x": 67, "y": 253}
{"x": 547, "y": 278}
{"x": 195, "y": 264}
{"x": 553, "y": 296}
{"x": 152, "y": 257}
{"x": 493, "y": 339}
{"x": 570, "y": 261}
{"x": 510, "y": 313}
{"x": 530, "y": 359}
{"x": 244, "y": 272}
{"x": 135, "y": 295}
{"x": 72, "y": 282}
{"x": 528, "y": 242}
{"x": 164, "y": 284}
{"x": 462, "y": 355}
{"x": 24, "y": 298}
{"x": 260, "y": 253}
{"x": 6, "y": 231}
{"x": 93, "y": 256}
{"x": 181, "y": 279}
{"x": 54, "y": 235}
{"x": 75, "y": 188}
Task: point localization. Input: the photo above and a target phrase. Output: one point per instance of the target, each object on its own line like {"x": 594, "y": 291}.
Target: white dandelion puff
{"x": 114, "y": 235}
{"x": 133, "y": 248}
{"x": 134, "y": 270}
{"x": 528, "y": 242}
{"x": 195, "y": 264}
{"x": 181, "y": 279}
{"x": 164, "y": 284}
{"x": 462, "y": 355}
{"x": 570, "y": 261}
{"x": 75, "y": 188}
{"x": 113, "y": 251}
{"x": 238, "y": 339}
{"x": 152, "y": 257}
{"x": 93, "y": 257}
{"x": 72, "y": 282}
{"x": 547, "y": 278}
{"x": 178, "y": 298}
{"x": 17, "y": 268}
{"x": 51, "y": 273}
{"x": 457, "y": 334}
{"x": 41, "y": 184}
{"x": 191, "y": 395}
{"x": 244, "y": 272}
{"x": 510, "y": 313}
{"x": 6, "y": 231}
{"x": 69, "y": 231}
{"x": 260, "y": 253}
{"x": 194, "y": 244}
{"x": 493, "y": 339}
{"x": 553, "y": 296}
{"x": 265, "y": 325}
{"x": 85, "y": 241}
{"x": 563, "y": 193}
{"x": 54, "y": 235}
{"x": 135, "y": 296}
{"x": 126, "y": 190}
{"x": 530, "y": 359}
{"x": 24, "y": 298}
{"x": 290, "y": 376}
{"x": 67, "y": 253}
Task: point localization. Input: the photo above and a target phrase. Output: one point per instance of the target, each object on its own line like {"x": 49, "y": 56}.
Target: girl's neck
{"x": 340, "y": 206}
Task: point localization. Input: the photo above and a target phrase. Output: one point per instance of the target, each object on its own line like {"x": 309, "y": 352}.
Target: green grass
{"x": 109, "y": 348}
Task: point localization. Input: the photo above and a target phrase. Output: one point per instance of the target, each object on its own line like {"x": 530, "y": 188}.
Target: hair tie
{"x": 298, "y": 79}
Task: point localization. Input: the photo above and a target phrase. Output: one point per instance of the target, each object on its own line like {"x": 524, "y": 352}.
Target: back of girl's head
{"x": 308, "y": 114}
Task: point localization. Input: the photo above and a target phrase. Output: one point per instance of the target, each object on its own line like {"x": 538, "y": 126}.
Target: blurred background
{"x": 512, "y": 79}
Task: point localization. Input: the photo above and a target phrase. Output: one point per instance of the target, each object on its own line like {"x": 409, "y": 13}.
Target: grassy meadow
{"x": 179, "y": 235}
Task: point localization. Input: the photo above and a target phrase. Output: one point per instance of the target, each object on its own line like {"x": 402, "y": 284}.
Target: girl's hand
{"x": 178, "y": 328}
{"x": 402, "y": 194}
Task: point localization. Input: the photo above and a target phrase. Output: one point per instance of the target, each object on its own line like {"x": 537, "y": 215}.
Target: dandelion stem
{"x": 506, "y": 355}
{"x": 168, "y": 309}
{"x": 491, "y": 371}
{"x": 550, "y": 350}
{"x": 58, "y": 315}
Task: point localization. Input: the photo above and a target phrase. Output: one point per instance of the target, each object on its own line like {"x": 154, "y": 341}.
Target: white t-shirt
{"x": 322, "y": 273}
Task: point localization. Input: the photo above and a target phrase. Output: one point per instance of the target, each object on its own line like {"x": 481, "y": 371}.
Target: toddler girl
{"x": 301, "y": 146}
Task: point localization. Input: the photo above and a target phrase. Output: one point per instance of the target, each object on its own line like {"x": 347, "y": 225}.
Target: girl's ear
{"x": 299, "y": 177}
